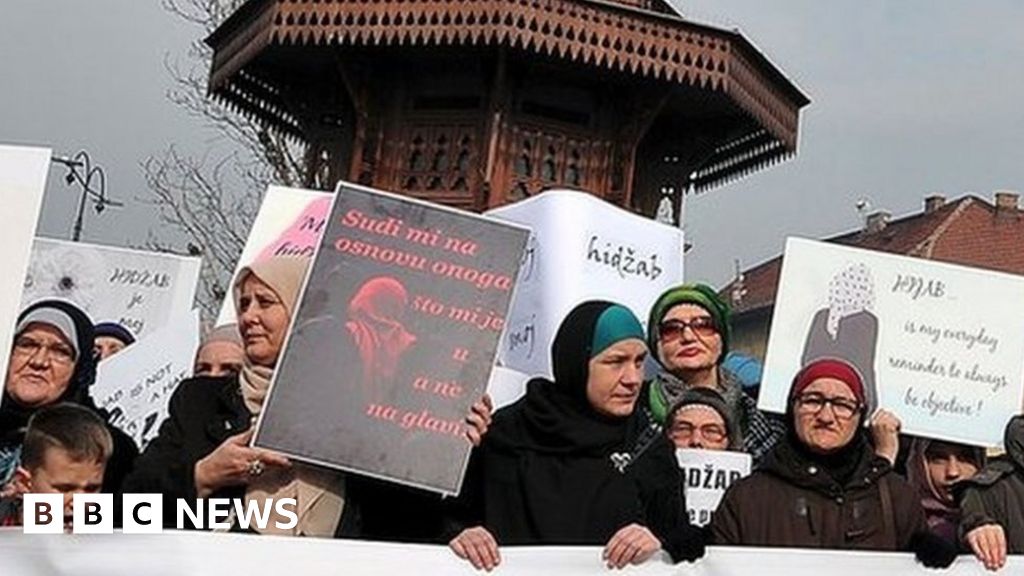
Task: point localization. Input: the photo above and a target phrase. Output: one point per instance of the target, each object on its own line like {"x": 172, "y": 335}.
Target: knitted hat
{"x": 700, "y": 396}
{"x": 114, "y": 330}
{"x": 700, "y": 294}
{"x": 829, "y": 368}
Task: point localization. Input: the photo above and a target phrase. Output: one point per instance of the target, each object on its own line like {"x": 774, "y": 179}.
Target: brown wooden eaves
{"x": 601, "y": 34}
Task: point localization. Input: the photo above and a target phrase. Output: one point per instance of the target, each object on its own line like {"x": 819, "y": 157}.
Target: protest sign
{"x": 393, "y": 340}
{"x": 581, "y": 248}
{"x": 940, "y": 345}
{"x": 706, "y": 475}
{"x": 140, "y": 290}
{"x": 22, "y": 183}
{"x": 136, "y": 383}
{"x": 199, "y": 553}
{"x": 289, "y": 223}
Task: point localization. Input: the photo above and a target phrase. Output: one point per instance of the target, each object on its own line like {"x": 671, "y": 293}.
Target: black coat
{"x": 202, "y": 413}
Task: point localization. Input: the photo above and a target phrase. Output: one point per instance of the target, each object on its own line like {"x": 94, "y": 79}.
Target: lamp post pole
{"x": 78, "y": 165}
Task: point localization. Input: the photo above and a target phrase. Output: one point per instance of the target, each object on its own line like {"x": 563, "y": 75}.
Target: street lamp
{"x": 78, "y": 165}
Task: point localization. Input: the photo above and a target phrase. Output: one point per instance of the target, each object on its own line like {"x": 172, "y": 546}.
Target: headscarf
{"x": 552, "y": 454}
{"x": 284, "y": 276}
{"x": 114, "y": 330}
{"x": 319, "y": 493}
{"x": 850, "y": 291}
{"x": 842, "y": 463}
{"x": 700, "y": 295}
{"x": 943, "y": 517}
{"x": 557, "y": 416}
{"x": 833, "y": 368}
{"x": 225, "y": 333}
{"x": 376, "y": 312}
{"x": 712, "y": 399}
{"x": 65, "y": 317}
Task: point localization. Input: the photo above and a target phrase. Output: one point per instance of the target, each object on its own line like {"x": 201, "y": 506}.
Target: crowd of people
{"x": 586, "y": 457}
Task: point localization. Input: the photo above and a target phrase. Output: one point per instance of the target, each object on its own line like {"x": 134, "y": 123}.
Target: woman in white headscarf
{"x": 202, "y": 450}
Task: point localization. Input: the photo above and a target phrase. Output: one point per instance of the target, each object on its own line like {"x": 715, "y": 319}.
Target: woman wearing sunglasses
{"x": 823, "y": 486}
{"x": 688, "y": 332}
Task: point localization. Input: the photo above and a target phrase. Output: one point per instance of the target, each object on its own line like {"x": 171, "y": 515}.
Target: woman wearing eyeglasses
{"x": 51, "y": 361}
{"x": 823, "y": 486}
{"x": 688, "y": 332}
{"x": 701, "y": 420}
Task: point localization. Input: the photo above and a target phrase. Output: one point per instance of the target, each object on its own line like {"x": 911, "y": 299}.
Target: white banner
{"x": 581, "y": 248}
{"x": 22, "y": 183}
{"x": 136, "y": 383}
{"x": 942, "y": 344}
{"x": 140, "y": 290}
{"x": 706, "y": 475}
{"x": 208, "y": 554}
{"x": 290, "y": 222}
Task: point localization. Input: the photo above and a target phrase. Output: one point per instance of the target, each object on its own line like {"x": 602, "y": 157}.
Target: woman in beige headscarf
{"x": 203, "y": 448}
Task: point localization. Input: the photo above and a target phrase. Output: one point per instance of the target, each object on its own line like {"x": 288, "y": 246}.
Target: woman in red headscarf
{"x": 376, "y": 313}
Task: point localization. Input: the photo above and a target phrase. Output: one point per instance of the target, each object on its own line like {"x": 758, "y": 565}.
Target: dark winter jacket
{"x": 996, "y": 494}
{"x": 202, "y": 413}
{"x": 791, "y": 502}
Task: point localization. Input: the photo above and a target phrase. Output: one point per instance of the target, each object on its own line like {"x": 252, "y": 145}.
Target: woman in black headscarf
{"x": 51, "y": 362}
{"x": 573, "y": 462}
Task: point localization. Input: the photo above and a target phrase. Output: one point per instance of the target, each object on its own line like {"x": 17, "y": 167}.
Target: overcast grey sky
{"x": 910, "y": 97}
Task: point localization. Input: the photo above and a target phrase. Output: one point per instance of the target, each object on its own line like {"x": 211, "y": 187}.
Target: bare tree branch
{"x": 212, "y": 199}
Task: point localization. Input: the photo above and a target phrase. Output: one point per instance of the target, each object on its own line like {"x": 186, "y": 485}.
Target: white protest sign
{"x": 136, "y": 383}
{"x": 706, "y": 475}
{"x": 22, "y": 183}
{"x": 198, "y": 553}
{"x": 943, "y": 345}
{"x": 140, "y": 290}
{"x": 289, "y": 222}
{"x": 581, "y": 248}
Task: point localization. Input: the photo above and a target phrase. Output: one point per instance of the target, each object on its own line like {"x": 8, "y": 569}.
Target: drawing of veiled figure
{"x": 848, "y": 329}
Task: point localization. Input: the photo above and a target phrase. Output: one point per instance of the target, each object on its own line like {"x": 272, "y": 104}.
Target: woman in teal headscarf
{"x": 573, "y": 461}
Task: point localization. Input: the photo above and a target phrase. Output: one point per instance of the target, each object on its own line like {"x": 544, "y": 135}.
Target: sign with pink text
{"x": 393, "y": 340}
{"x": 289, "y": 223}
{"x": 939, "y": 345}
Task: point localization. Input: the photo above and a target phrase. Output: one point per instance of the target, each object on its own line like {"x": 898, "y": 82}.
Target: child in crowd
{"x": 65, "y": 451}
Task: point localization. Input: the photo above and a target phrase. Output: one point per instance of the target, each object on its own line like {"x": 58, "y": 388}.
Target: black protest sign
{"x": 393, "y": 340}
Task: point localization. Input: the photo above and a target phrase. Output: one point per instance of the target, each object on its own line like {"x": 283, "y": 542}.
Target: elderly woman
{"x": 700, "y": 419}
{"x": 823, "y": 486}
{"x": 51, "y": 362}
{"x": 202, "y": 449}
{"x": 689, "y": 332}
{"x": 574, "y": 462}
{"x": 111, "y": 338}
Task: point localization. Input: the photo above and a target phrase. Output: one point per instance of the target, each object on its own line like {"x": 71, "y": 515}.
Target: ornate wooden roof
{"x": 642, "y": 42}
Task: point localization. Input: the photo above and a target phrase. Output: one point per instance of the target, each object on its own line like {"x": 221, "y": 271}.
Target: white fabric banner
{"x": 581, "y": 248}
{"x": 942, "y": 344}
{"x": 206, "y": 554}
{"x": 138, "y": 289}
{"x": 290, "y": 222}
{"x": 22, "y": 183}
{"x": 136, "y": 383}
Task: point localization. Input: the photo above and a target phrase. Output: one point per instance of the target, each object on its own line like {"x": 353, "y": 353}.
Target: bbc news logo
{"x": 143, "y": 514}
